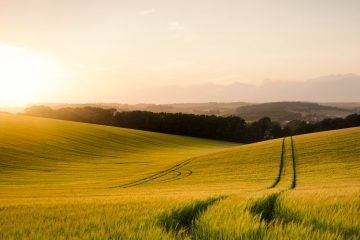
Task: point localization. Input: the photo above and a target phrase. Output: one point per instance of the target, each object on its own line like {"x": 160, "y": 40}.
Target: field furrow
{"x": 66, "y": 180}
{"x": 157, "y": 175}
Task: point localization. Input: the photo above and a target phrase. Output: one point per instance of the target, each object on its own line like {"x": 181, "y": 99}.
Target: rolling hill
{"x": 50, "y": 152}
{"x": 62, "y": 179}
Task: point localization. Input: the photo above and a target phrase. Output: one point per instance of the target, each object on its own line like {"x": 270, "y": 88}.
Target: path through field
{"x": 67, "y": 180}
{"x": 287, "y": 166}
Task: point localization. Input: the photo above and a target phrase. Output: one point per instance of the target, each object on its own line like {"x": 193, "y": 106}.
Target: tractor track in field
{"x": 171, "y": 177}
{"x": 293, "y": 184}
{"x": 182, "y": 221}
{"x": 281, "y": 166}
{"x": 186, "y": 173}
{"x": 180, "y": 175}
{"x": 160, "y": 174}
{"x": 267, "y": 207}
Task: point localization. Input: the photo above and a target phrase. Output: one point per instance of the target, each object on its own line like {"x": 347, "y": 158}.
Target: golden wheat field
{"x": 67, "y": 180}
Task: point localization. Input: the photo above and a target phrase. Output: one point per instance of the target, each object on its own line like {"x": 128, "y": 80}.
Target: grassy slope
{"x": 68, "y": 155}
{"x": 329, "y": 159}
{"x": 324, "y": 205}
{"x": 64, "y": 157}
{"x": 42, "y": 160}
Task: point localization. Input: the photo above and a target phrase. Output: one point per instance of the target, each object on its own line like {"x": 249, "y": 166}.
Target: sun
{"x": 24, "y": 75}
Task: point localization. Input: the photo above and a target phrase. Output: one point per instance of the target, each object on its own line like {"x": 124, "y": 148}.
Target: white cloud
{"x": 146, "y": 12}
{"x": 177, "y": 31}
{"x": 175, "y": 26}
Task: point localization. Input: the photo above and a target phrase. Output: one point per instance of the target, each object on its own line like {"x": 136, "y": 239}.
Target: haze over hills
{"x": 277, "y": 111}
{"x": 332, "y": 88}
{"x": 287, "y": 111}
{"x": 312, "y": 100}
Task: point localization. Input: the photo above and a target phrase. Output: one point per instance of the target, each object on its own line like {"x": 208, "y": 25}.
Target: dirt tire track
{"x": 265, "y": 207}
{"x": 293, "y": 185}
{"x": 181, "y": 221}
{"x": 154, "y": 176}
{"x": 170, "y": 178}
{"x": 183, "y": 175}
{"x": 281, "y": 167}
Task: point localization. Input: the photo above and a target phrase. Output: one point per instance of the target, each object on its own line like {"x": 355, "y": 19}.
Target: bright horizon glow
{"x": 24, "y": 76}
{"x": 116, "y": 51}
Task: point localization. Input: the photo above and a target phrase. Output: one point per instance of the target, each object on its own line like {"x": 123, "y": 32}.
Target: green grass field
{"x": 67, "y": 180}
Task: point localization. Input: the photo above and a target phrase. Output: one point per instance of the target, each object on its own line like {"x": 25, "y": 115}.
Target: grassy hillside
{"x": 329, "y": 159}
{"x": 61, "y": 180}
{"x": 36, "y": 151}
{"x": 324, "y": 203}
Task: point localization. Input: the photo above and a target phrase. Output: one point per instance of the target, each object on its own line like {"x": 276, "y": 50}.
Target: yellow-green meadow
{"x": 68, "y": 180}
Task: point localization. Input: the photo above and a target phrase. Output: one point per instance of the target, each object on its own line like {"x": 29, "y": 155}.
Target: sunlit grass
{"x": 66, "y": 180}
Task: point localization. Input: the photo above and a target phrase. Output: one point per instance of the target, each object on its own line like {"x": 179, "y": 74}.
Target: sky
{"x": 104, "y": 50}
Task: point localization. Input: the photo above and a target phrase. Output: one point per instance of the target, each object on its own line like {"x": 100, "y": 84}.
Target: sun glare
{"x": 24, "y": 76}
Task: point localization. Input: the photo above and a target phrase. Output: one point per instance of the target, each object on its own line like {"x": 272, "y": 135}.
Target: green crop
{"x": 67, "y": 180}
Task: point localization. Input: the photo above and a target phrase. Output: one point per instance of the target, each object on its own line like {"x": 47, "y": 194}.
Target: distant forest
{"x": 230, "y": 128}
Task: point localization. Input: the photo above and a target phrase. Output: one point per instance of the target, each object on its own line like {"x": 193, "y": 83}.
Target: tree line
{"x": 228, "y": 128}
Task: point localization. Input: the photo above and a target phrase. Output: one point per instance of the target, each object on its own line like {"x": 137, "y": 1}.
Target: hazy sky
{"x": 96, "y": 50}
